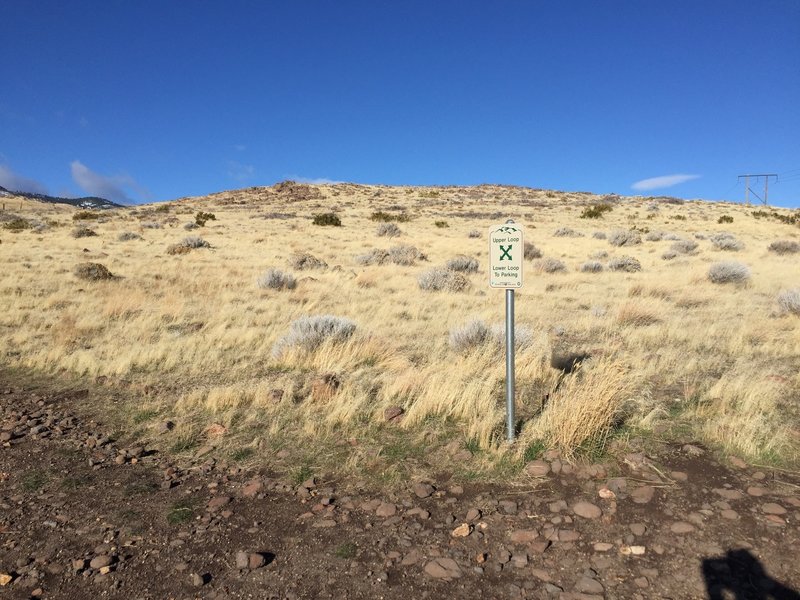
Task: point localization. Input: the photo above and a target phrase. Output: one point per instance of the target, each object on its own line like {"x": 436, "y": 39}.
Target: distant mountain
{"x": 87, "y": 202}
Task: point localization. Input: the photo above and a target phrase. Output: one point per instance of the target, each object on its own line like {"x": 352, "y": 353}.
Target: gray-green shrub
{"x": 305, "y": 261}
{"x": 440, "y": 279}
{"x": 784, "y": 247}
{"x": 463, "y": 264}
{"x": 592, "y": 266}
{"x": 624, "y": 237}
{"x": 566, "y": 232}
{"x": 310, "y": 332}
{"x": 275, "y": 279}
{"x": 628, "y": 264}
{"x": 388, "y": 230}
{"x": 531, "y": 252}
{"x": 726, "y": 241}
{"x": 789, "y": 301}
{"x": 127, "y": 236}
{"x": 550, "y": 265}
{"x": 728, "y": 272}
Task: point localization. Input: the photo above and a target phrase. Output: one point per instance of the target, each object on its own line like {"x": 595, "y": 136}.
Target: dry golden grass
{"x": 195, "y": 328}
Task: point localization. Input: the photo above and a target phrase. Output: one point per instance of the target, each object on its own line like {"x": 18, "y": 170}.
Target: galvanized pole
{"x": 510, "y": 365}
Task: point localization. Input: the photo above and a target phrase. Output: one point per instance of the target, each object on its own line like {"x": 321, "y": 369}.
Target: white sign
{"x": 505, "y": 256}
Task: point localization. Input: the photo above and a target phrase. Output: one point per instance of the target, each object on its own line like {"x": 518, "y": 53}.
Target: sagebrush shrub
{"x": 275, "y": 279}
{"x": 126, "y": 236}
{"x": 654, "y": 236}
{"x": 789, "y": 301}
{"x": 726, "y": 241}
{"x": 306, "y": 261}
{"x": 307, "y": 333}
{"x": 600, "y": 254}
{"x": 624, "y": 237}
{"x": 566, "y": 232}
{"x": 327, "y": 220}
{"x": 592, "y": 266}
{"x": 440, "y": 279}
{"x": 728, "y": 272}
{"x": 599, "y": 235}
{"x": 463, "y": 264}
{"x": 784, "y": 247}
{"x": 550, "y": 265}
{"x": 376, "y": 256}
{"x": 405, "y": 255}
{"x": 669, "y": 254}
{"x": 190, "y": 226}
{"x": 92, "y": 272}
{"x": 628, "y": 264}
{"x": 195, "y": 241}
{"x": 82, "y": 232}
{"x": 188, "y": 244}
{"x": 150, "y": 225}
{"x": 684, "y": 246}
{"x": 477, "y": 333}
{"x": 469, "y": 336}
{"x": 474, "y": 234}
{"x": 388, "y": 230}
{"x": 531, "y": 252}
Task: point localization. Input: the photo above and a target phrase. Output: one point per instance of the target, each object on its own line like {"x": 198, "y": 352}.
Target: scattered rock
{"x": 681, "y": 527}
{"x": 393, "y": 413}
{"x": 423, "y": 490}
{"x": 643, "y": 494}
{"x": 587, "y": 510}
{"x": 537, "y": 468}
{"x": 587, "y": 585}
{"x": 523, "y": 536}
{"x": 462, "y": 530}
{"x": 386, "y": 509}
{"x": 771, "y": 508}
{"x": 443, "y": 568}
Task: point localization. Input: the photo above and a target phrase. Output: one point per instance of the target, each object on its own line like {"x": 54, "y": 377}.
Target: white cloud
{"x": 664, "y": 181}
{"x": 314, "y": 181}
{"x": 240, "y": 172}
{"x": 17, "y": 183}
{"x": 108, "y": 187}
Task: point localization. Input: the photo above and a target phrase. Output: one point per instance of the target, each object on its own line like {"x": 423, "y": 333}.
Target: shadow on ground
{"x": 739, "y": 575}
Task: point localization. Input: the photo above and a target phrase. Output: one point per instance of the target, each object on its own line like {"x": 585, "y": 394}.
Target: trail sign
{"x": 506, "y": 248}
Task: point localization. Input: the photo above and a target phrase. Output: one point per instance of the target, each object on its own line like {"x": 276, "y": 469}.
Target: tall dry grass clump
{"x": 789, "y": 301}
{"x": 582, "y": 410}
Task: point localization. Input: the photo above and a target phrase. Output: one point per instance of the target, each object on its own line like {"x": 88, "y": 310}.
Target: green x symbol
{"x": 505, "y": 252}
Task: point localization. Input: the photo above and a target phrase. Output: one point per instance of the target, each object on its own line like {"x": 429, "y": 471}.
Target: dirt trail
{"x": 83, "y": 518}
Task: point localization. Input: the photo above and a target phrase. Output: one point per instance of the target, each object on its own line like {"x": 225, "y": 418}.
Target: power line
{"x": 747, "y": 189}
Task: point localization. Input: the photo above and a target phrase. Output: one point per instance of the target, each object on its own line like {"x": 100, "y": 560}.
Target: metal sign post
{"x": 506, "y": 248}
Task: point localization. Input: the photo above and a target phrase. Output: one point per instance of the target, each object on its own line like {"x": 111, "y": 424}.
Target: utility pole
{"x": 747, "y": 189}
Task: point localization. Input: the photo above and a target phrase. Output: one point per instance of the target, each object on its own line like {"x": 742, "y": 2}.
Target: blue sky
{"x": 154, "y": 100}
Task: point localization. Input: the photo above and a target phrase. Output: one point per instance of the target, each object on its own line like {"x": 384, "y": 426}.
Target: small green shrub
{"x": 85, "y": 215}
{"x": 82, "y": 232}
{"x": 386, "y": 217}
{"x": 327, "y": 220}
{"x": 725, "y": 219}
{"x": 441, "y": 224}
{"x": 201, "y": 218}
{"x": 162, "y": 208}
{"x": 93, "y": 272}
{"x": 17, "y": 225}
{"x": 596, "y": 211}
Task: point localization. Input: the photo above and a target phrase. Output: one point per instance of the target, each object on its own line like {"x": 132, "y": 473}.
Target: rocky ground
{"x": 82, "y": 517}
